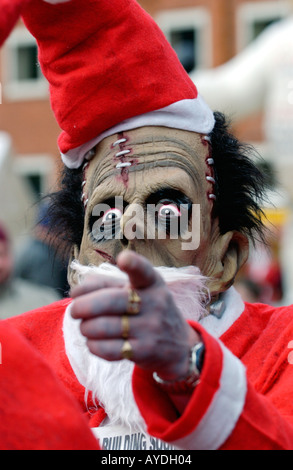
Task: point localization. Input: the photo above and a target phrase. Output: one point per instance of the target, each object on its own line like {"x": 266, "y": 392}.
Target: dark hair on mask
{"x": 65, "y": 211}
{"x": 240, "y": 191}
{"x": 241, "y": 185}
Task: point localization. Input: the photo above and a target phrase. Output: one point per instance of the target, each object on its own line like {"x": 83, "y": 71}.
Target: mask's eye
{"x": 170, "y": 212}
{"x": 111, "y": 216}
{"x": 167, "y": 211}
{"x": 168, "y": 219}
{"x": 107, "y": 226}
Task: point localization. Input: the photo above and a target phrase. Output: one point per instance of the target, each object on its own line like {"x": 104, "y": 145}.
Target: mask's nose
{"x": 132, "y": 223}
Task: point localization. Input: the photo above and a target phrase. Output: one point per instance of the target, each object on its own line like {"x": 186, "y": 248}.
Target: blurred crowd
{"x": 34, "y": 276}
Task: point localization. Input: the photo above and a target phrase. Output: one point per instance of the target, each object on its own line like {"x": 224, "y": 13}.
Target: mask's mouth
{"x": 106, "y": 257}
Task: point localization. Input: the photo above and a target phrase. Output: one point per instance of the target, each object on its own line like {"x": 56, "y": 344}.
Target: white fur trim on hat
{"x": 190, "y": 115}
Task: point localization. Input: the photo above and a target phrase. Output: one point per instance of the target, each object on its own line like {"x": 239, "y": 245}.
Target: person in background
{"x": 40, "y": 261}
{"x": 17, "y": 295}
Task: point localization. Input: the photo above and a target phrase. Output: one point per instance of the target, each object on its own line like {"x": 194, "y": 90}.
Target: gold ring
{"x": 134, "y": 301}
{"x": 125, "y": 326}
{"x": 126, "y": 351}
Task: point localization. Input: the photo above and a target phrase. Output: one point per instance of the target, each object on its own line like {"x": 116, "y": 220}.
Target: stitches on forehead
{"x": 166, "y": 162}
{"x": 152, "y": 145}
{"x": 143, "y": 149}
{"x": 132, "y": 152}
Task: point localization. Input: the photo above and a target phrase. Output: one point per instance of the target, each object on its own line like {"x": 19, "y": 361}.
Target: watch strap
{"x": 189, "y": 382}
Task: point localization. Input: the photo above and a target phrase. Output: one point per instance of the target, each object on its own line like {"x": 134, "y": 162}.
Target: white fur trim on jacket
{"x": 54, "y": 2}
{"x": 224, "y": 411}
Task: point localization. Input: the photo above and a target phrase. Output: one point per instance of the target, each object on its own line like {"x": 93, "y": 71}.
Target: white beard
{"x": 110, "y": 382}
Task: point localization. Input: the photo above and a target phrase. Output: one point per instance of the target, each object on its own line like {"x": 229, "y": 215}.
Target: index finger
{"x": 94, "y": 283}
{"x": 140, "y": 271}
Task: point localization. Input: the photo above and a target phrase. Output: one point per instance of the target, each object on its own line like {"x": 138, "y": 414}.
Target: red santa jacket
{"x": 244, "y": 399}
{"x": 36, "y": 411}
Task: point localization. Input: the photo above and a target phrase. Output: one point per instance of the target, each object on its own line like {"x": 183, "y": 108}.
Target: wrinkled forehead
{"x": 142, "y": 149}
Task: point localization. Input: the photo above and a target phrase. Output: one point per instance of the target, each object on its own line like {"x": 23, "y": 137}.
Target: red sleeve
{"x": 37, "y": 412}
{"x": 225, "y": 411}
{"x": 43, "y": 328}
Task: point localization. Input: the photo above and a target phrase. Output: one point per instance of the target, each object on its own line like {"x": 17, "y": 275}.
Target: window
{"x": 36, "y": 171}
{"x": 27, "y": 62}
{"x": 254, "y": 18}
{"x": 22, "y": 75}
{"x": 184, "y": 42}
{"x": 189, "y": 33}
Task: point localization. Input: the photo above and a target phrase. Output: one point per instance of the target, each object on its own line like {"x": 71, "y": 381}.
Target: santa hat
{"x": 110, "y": 69}
{"x": 10, "y": 12}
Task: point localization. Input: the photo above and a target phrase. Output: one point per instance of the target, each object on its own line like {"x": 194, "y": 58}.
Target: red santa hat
{"x": 110, "y": 69}
{"x": 10, "y": 12}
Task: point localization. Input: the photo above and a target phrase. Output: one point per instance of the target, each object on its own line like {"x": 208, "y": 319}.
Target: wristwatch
{"x": 188, "y": 383}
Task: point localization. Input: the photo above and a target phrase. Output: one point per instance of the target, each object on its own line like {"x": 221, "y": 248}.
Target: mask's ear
{"x": 231, "y": 251}
{"x": 71, "y": 275}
